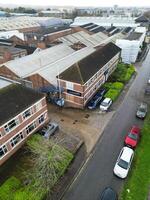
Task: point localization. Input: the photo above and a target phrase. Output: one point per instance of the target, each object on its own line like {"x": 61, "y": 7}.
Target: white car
{"x": 148, "y": 81}
{"x": 106, "y": 103}
{"x": 123, "y": 163}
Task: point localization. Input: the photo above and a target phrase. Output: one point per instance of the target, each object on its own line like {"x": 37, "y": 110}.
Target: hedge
{"x": 122, "y": 73}
{"x": 114, "y": 90}
{"x": 9, "y": 187}
{"x": 113, "y": 94}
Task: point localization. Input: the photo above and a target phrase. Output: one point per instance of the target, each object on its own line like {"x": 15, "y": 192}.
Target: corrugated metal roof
{"x": 85, "y": 38}
{"x": 51, "y": 71}
{"x": 31, "y": 63}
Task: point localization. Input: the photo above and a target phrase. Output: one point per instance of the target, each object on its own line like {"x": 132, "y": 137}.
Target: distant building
{"x": 9, "y": 34}
{"x": 131, "y": 45}
{"x": 2, "y": 14}
{"x": 22, "y": 24}
{"x": 11, "y": 53}
{"x": 52, "y": 13}
{"x": 117, "y": 21}
{"x": 23, "y": 111}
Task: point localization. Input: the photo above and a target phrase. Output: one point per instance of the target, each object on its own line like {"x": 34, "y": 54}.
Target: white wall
{"x": 130, "y": 49}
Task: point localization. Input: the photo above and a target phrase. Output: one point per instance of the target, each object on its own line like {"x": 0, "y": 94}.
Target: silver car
{"x": 142, "y": 111}
{"x": 49, "y": 130}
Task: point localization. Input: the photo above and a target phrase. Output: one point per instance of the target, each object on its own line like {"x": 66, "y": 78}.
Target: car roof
{"x": 108, "y": 193}
{"x": 135, "y": 129}
{"x": 106, "y": 100}
{"x": 127, "y": 153}
{"x": 143, "y": 105}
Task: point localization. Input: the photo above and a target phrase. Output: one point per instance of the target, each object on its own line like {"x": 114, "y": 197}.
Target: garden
{"x": 48, "y": 162}
{"x": 118, "y": 79}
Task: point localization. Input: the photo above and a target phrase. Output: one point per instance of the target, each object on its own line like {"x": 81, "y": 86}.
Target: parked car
{"x": 147, "y": 90}
{"x": 96, "y": 99}
{"x": 106, "y": 103}
{"x": 142, "y": 111}
{"x": 133, "y": 137}
{"x": 108, "y": 194}
{"x": 148, "y": 81}
{"x": 49, "y": 130}
{"x": 123, "y": 163}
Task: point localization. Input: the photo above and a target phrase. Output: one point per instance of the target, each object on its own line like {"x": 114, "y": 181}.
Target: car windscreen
{"x": 123, "y": 164}
{"x": 133, "y": 136}
{"x": 104, "y": 104}
{"x": 142, "y": 109}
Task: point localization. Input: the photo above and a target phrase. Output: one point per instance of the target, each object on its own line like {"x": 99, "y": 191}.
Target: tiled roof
{"x": 14, "y": 99}
{"x": 83, "y": 70}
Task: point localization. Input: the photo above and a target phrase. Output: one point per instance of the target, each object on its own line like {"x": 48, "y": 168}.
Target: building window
{"x": 30, "y": 128}
{"x": 27, "y": 113}
{"x": 3, "y": 151}
{"x": 16, "y": 139}
{"x": 69, "y": 85}
{"x": 41, "y": 119}
{"x": 11, "y": 125}
{"x": 38, "y": 106}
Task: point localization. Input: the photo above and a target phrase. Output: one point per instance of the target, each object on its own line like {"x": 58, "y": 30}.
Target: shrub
{"x": 122, "y": 73}
{"x": 28, "y": 194}
{"x": 117, "y": 86}
{"x": 107, "y": 85}
{"x": 113, "y": 94}
{"x": 8, "y": 189}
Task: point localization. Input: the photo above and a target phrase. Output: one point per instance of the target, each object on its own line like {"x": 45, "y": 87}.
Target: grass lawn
{"x": 137, "y": 185}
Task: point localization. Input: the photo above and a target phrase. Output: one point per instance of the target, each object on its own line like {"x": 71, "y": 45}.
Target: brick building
{"x": 81, "y": 80}
{"x": 79, "y": 73}
{"x": 23, "y": 111}
{"x": 11, "y": 53}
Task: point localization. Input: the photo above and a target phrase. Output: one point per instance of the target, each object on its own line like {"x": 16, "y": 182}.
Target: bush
{"x": 8, "y": 189}
{"x": 113, "y": 94}
{"x": 107, "y": 85}
{"x": 28, "y": 194}
{"x": 114, "y": 91}
{"x": 122, "y": 73}
{"x": 117, "y": 86}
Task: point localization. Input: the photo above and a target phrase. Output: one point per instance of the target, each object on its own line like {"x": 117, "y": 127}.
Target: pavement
{"x": 97, "y": 172}
{"x": 86, "y": 124}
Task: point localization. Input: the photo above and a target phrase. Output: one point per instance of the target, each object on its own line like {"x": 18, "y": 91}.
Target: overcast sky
{"x": 94, "y": 3}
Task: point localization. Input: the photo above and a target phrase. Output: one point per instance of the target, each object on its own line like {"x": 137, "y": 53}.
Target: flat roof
{"x": 134, "y": 36}
{"x": 14, "y": 99}
{"x": 11, "y": 49}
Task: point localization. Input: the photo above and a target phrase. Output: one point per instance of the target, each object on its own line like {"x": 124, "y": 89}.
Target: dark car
{"x": 142, "y": 111}
{"x": 96, "y": 99}
{"x": 147, "y": 90}
{"x": 108, "y": 194}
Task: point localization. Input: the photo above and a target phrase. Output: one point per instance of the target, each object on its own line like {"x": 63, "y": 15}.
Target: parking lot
{"x": 86, "y": 124}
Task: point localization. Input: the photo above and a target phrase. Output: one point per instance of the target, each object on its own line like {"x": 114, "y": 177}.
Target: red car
{"x": 133, "y": 136}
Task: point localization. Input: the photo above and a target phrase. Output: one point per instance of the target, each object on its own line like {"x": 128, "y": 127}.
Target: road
{"x": 98, "y": 171}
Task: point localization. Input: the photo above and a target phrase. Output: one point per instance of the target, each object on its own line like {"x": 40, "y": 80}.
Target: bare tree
{"x": 49, "y": 163}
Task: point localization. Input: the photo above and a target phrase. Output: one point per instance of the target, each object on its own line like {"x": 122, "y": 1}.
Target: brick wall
{"x": 38, "y": 81}
{"x": 24, "y": 123}
{"x": 4, "y": 71}
{"x": 56, "y": 35}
